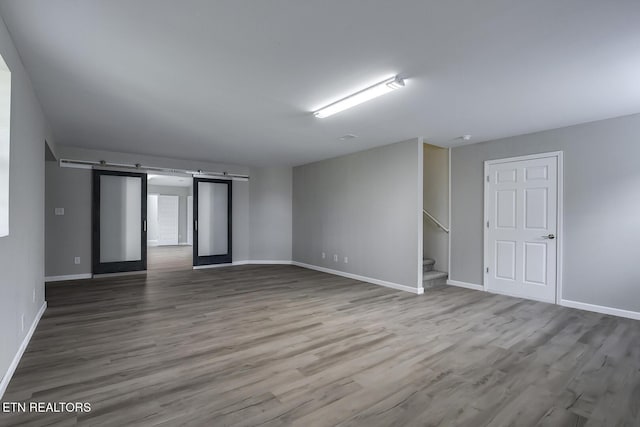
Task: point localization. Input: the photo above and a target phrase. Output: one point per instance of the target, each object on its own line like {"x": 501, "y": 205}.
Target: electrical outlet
{"x": 59, "y": 211}
{"x": 335, "y": 257}
{"x": 324, "y": 255}
{"x": 76, "y": 260}
{"x": 346, "y": 260}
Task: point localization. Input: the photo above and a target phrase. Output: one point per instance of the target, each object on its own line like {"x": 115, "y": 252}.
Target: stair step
{"x": 435, "y": 274}
{"x": 434, "y": 278}
{"x": 427, "y": 264}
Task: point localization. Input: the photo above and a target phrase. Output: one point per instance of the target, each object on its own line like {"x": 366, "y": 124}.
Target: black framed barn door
{"x": 211, "y": 221}
{"x": 119, "y": 221}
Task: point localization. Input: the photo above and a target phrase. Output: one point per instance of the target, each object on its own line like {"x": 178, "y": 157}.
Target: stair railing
{"x": 435, "y": 221}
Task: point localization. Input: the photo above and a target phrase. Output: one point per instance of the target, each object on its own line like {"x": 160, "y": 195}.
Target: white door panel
{"x": 152, "y": 220}
{"x": 521, "y": 207}
{"x": 168, "y": 220}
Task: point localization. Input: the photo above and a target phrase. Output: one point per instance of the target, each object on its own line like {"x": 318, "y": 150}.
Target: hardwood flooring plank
{"x": 281, "y": 345}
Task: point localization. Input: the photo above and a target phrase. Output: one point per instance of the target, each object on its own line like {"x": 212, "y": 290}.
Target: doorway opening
{"x": 169, "y": 222}
{"x": 435, "y": 215}
{"x": 159, "y": 222}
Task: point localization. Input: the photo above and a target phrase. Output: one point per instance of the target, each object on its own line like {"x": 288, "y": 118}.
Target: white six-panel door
{"x": 521, "y": 208}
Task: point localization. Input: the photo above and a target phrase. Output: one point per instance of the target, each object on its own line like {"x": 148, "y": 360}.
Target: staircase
{"x": 431, "y": 277}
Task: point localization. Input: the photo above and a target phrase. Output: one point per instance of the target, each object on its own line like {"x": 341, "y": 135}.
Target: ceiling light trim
{"x": 381, "y": 88}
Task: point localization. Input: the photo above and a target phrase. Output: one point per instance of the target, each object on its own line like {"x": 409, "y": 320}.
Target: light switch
{"x": 59, "y": 211}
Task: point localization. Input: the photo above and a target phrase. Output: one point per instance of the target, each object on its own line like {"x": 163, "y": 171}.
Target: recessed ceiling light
{"x": 466, "y": 137}
{"x": 385, "y": 86}
{"x": 348, "y": 136}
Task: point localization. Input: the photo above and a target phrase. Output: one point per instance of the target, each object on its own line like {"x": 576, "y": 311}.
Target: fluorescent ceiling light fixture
{"x": 364, "y": 95}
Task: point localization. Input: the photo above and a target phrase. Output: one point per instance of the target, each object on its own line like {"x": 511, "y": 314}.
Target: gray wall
{"x": 435, "y": 200}
{"x": 271, "y": 213}
{"x": 69, "y": 235}
{"x": 22, "y": 252}
{"x": 601, "y": 207}
{"x": 5, "y": 148}
{"x": 265, "y": 235}
{"x": 182, "y": 193}
{"x": 365, "y": 206}
{"x": 71, "y": 188}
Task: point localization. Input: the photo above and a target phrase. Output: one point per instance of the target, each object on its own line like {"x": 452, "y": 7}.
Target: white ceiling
{"x": 235, "y": 81}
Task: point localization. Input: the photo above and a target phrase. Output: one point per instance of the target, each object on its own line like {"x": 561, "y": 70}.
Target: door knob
{"x": 549, "y": 236}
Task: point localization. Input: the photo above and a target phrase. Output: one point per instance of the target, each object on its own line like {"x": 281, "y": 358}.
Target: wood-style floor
{"x": 169, "y": 258}
{"x": 281, "y": 345}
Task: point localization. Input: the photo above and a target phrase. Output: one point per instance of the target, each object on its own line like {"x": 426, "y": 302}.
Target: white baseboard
{"x": 67, "y": 277}
{"x": 204, "y": 267}
{"x": 16, "y": 359}
{"x": 564, "y": 302}
{"x": 131, "y": 273}
{"x": 601, "y": 309}
{"x": 120, "y": 274}
{"x": 269, "y": 262}
{"x": 465, "y": 285}
{"x": 243, "y": 262}
{"x": 418, "y": 291}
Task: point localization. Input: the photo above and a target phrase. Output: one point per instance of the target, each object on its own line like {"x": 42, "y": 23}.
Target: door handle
{"x": 196, "y": 224}
{"x": 549, "y": 236}
{"x": 144, "y": 225}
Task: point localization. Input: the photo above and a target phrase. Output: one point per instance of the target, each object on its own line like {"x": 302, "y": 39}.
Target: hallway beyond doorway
{"x": 169, "y": 258}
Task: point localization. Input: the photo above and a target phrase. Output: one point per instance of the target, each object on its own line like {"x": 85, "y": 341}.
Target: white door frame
{"x": 560, "y": 232}
{"x": 190, "y": 220}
